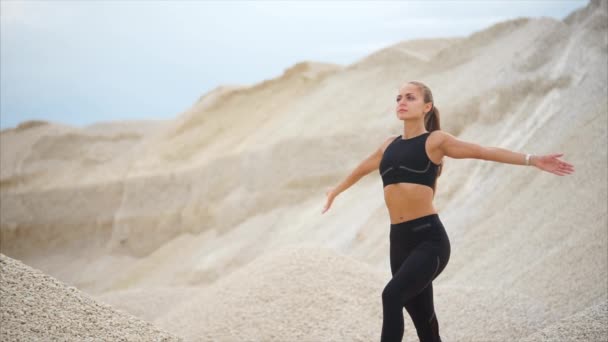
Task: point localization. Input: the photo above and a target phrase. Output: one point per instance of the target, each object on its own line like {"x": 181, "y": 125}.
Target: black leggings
{"x": 419, "y": 251}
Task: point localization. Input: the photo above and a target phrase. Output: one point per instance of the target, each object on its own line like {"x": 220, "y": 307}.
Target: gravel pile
{"x": 312, "y": 294}
{"x": 35, "y": 306}
{"x": 301, "y": 294}
{"x": 588, "y": 325}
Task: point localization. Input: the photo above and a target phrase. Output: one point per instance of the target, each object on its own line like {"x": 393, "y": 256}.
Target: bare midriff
{"x": 407, "y": 201}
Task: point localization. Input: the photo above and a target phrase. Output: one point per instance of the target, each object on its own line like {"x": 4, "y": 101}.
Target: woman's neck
{"x": 413, "y": 131}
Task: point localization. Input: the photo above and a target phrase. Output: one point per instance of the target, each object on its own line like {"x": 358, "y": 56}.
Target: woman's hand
{"x": 331, "y": 194}
{"x": 551, "y": 163}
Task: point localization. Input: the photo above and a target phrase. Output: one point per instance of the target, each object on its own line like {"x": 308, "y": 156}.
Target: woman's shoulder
{"x": 390, "y": 139}
{"x": 387, "y": 141}
{"x": 437, "y": 135}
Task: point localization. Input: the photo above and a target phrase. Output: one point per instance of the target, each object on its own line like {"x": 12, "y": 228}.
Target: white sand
{"x": 204, "y": 217}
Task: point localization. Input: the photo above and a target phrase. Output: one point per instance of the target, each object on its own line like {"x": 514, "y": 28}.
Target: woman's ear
{"x": 428, "y": 106}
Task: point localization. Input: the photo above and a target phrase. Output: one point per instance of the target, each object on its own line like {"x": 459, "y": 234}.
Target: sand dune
{"x": 210, "y": 214}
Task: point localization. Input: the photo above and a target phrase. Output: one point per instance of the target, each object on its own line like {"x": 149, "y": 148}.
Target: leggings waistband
{"x": 432, "y": 218}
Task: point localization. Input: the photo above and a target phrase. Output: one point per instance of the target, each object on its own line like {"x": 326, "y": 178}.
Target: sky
{"x": 82, "y": 62}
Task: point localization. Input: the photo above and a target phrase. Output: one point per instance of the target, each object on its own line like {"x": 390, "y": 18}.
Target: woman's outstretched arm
{"x": 455, "y": 148}
{"x": 369, "y": 164}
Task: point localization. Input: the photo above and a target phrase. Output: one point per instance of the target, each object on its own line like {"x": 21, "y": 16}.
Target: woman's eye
{"x": 409, "y": 98}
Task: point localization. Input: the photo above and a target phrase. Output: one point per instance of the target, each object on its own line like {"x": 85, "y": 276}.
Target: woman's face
{"x": 410, "y": 103}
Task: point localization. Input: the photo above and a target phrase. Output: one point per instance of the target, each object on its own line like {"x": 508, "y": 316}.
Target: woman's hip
{"x": 425, "y": 237}
{"x": 427, "y": 229}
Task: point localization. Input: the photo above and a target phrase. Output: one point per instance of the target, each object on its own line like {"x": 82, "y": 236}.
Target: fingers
{"x": 557, "y": 166}
{"x": 563, "y": 168}
{"x": 329, "y": 201}
{"x": 327, "y": 206}
{"x": 562, "y": 171}
{"x": 566, "y": 168}
{"x": 561, "y": 162}
{"x": 566, "y": 165}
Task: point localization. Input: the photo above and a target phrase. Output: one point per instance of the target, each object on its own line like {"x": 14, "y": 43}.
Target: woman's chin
{"x": 406, "y": 116}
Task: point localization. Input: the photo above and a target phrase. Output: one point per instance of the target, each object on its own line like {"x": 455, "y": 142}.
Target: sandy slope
{"x": 182, "y": 217}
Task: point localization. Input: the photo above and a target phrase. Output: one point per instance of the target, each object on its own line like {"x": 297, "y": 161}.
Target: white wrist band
{"x": 528, "y": 158}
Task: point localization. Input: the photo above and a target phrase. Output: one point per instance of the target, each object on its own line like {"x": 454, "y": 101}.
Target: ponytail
{"x": 431, "y": 119}
{"x": 431, "y": 123}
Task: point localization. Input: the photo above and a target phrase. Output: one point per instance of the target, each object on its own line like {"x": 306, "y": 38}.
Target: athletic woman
{"x": 409, "y": 165}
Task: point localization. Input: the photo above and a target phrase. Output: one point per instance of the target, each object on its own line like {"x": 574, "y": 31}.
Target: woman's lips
{"x": 402, "y": 110}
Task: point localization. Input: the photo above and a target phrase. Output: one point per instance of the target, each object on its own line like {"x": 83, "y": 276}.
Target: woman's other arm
{"x": 369, "y": 164}
{"x": 456, "y": 148}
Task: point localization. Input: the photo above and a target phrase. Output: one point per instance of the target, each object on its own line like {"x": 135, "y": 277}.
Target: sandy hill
{"x": 176, "y": 207}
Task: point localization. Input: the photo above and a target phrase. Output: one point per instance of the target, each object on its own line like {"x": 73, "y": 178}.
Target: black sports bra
{"x": 406, "y": 161}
